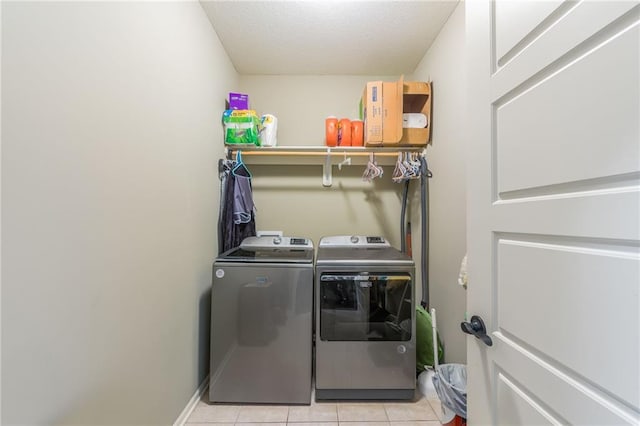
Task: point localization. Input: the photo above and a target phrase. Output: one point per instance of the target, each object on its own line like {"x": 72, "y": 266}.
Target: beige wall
{"x": 110, "y": 136}
{"x": 291, "y": 198}
{"x": 445, "y": 64}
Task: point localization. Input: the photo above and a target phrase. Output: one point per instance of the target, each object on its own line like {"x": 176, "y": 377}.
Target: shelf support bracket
{"x": 326, "y": 170}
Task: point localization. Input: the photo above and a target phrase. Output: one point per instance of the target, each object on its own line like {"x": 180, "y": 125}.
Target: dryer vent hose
{"x": 425, "y": 174}
{"x": 403, "y": 214}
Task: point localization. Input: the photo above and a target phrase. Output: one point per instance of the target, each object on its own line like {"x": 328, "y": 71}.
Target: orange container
{"x": 457, "y": 421}
{"x": 331, "y": 131}
{"x": 357, "y": 133}
{"x": 344, "y": 132}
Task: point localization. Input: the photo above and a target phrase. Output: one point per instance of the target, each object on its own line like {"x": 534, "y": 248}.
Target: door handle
{"x": 476, "y": 328}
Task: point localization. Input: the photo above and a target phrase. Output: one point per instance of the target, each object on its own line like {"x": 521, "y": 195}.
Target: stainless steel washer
{"x": 365, "y": 320}
{"x": 261, "y": 322}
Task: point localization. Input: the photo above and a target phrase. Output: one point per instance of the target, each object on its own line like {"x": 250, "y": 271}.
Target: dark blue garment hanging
{"x": 236, "y": 181}
{"x": 243, "y": 206}
{"x": 224, "y": 169}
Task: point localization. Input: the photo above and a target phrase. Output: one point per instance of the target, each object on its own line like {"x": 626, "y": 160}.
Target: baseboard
{"x": 184, "y": 416}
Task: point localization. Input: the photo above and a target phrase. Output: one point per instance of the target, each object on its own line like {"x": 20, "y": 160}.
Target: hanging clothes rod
{"x": 321, "y": 150}
{"x": 316, "y": 154}
{"x": 324, "y": 156}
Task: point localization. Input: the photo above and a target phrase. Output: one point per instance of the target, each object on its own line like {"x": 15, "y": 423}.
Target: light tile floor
{"x": 419, "y": 412}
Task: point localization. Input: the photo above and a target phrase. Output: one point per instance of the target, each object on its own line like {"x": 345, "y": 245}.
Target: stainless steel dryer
{"x": 365, "y": 320}
{"x": 261, "y": 322}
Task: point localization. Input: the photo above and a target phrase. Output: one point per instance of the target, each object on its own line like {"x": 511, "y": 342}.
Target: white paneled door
{"x": 554, "y": 212}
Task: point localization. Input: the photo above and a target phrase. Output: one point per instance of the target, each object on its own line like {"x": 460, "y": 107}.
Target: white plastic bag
{"x": 425, "y": 383}
{"x": 450, "y": 382}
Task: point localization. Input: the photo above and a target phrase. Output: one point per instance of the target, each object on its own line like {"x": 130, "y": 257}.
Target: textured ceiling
{"x": 327, "y": 37}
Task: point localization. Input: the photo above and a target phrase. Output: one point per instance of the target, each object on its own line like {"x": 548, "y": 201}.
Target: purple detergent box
{"x": 238, "y": 101}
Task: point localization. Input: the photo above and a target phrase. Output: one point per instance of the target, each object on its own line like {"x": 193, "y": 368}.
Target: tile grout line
{"x": 237, "y": 415}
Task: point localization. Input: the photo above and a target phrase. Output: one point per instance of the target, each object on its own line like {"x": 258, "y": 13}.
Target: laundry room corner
{"x": 444, "y": 63}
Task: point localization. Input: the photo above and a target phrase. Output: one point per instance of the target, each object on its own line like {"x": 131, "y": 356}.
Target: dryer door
{"x": 365, "y": 307}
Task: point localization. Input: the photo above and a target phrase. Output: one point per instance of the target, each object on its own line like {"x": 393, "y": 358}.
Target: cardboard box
{"x": 392, "y": 95}
{"x": 382, "y": 106}
{"x": 383, "y": 124}
{"x": 416, "y": 97}
{"x": 371, "y": 112}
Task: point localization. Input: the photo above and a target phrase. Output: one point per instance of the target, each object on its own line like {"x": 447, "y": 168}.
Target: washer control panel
{"x": 280, "y": 242}
{"x": 375, "y": 240}
{"x": 353, "y": 241}
{"x": 298, "y": 241}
